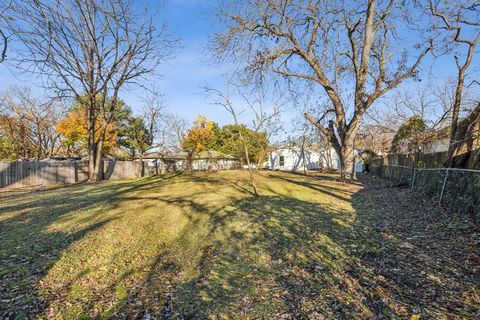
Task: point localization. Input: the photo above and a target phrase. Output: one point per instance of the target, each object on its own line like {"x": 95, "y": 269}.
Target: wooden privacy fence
{"x": 18, "y": 174}
{"x": 458, "y": 189}
{"x": 32, "y": 173}
{"x": 467, "y": 160}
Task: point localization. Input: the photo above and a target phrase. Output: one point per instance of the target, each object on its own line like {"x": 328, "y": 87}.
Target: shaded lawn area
{"x": 200, "y": 246}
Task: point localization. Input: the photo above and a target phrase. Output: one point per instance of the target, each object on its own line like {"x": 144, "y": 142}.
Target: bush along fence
{"x": 458, "y": 189}
{"x": 18, "y": 174}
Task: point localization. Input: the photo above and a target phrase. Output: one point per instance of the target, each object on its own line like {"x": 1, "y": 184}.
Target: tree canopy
{"x": 226, "y": 140}
{"x": 206, "y": 135}
{"x": 199, "y": 136}
{"x": 409, "y": 135}
{"x": 73, "y": 129}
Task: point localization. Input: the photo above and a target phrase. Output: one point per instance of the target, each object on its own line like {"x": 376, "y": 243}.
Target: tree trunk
{"x": 476, "y": 160}
{"x": 96, "y": 173}
{"x": 189, "y": 162}
{"x": 347, "y": 162}
{"x": 91, "y": 164}
{"x": 453, "y": 145}
{"x": 250, "y": 169}
{"x": 464, "y": 135}
{"x": 92, "y": 174}
{"x": 344, "y": 147}
{"x": 304, "y": 164}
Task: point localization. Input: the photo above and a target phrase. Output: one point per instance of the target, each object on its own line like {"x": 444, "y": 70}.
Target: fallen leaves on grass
{"x": 199, "y": 246}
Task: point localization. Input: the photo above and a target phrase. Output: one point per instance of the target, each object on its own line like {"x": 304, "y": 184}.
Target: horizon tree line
{"x": 350, "y": 56}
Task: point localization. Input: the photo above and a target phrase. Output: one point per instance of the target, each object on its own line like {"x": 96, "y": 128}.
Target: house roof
{"x": 311, "y": 148}
{"x": 441, "y": 133}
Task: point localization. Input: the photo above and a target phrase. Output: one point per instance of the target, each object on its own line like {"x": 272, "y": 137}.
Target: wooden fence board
{"x": 33, "y": 173}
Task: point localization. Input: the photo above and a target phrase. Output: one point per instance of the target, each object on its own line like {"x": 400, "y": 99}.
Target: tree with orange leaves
{"x": 199, "y": 135}
{"x": 197, "y": 138}
{"x": 73, "y": 130}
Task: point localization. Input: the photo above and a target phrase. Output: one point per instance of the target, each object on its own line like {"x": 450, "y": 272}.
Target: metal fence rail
{"x": 458, "y": 189}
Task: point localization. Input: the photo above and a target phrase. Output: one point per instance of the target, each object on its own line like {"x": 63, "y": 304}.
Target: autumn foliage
{"x": 199, "y": 135}
{"x": 73, "y": 129}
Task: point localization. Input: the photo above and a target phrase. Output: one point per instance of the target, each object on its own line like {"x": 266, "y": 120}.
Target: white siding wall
{"x": 437, "y": 146}
{"x": 293, "y": 159}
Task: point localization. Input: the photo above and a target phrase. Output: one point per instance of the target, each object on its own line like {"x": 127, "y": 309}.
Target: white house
{"x": 438, "y": 141}
{"x": 293, "y": 158}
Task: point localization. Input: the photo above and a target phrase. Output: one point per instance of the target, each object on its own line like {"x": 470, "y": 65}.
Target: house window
{"x": 282, "y": 161}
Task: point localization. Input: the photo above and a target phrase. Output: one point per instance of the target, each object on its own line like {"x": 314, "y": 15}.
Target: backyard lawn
{"x": 201, "y": 246}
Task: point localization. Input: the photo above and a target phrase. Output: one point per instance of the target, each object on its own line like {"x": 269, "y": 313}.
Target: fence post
{"x": 413, "y": 179}
{"x": 75, "y": 174}
{"x": 443, "y": 186}
{"x": 401, "y": 176}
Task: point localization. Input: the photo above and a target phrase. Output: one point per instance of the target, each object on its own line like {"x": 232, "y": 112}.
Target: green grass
{"x": 201, "y": 246}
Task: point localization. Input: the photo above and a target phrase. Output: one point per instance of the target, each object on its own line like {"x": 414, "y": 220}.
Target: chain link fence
{"x": 458, "y": 189}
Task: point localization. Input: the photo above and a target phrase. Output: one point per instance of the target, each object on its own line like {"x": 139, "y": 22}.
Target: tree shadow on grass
{"x": 29, "y": 246}
{"x": 324, "y": 189}
{"x": 78, "y": 196}
{"x": 54, "y": 239}
{"x": 280, "y": 257}
{"x": 274, "y": 257}
{"x": 25, "y": 258}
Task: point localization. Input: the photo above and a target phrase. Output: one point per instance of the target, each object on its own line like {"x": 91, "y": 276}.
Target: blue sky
{"x": 184, "y": 74}
{"x": 189, "y": 70}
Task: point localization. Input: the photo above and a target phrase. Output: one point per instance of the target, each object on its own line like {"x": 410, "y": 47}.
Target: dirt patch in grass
{"x": 200, "y": 246}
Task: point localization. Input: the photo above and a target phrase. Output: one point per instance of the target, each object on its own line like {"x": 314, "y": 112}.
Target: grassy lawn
{"x": 200, "y": 246}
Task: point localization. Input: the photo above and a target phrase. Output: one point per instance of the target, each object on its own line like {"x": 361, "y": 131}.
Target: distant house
{"x": 177, "y": 161}
{"x": 437, "y": 141}
{"x": 296, "y": 158}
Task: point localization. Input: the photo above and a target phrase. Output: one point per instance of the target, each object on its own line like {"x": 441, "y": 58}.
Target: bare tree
{"x": 461, "y": 19}
{"x": 265, "y": 113}
{"x": 172, "y": 130}
{"x": 5, "y": 25}
{"x": 225, "y": 100}
{"x": 352, "y": 50}
{"x": 152, "y": 116}
{"x": 384, "y": 119}
{"x": 302, "y": 137}
{"x": 90, "y": 50}
{"x": 376, "y": 139}
{"x": 29, "y": 123}
{"x": 264, "y": 116}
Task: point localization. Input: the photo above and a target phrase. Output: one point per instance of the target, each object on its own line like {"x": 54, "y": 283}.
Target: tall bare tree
{"x": 356, "y": 51}
{"x": 461, "y": 19}
{"x": 264, "y": 115}
{"x": 90, "y": 50}
{"x": 384, "y": 119}
{"x": 225, "y": 100}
